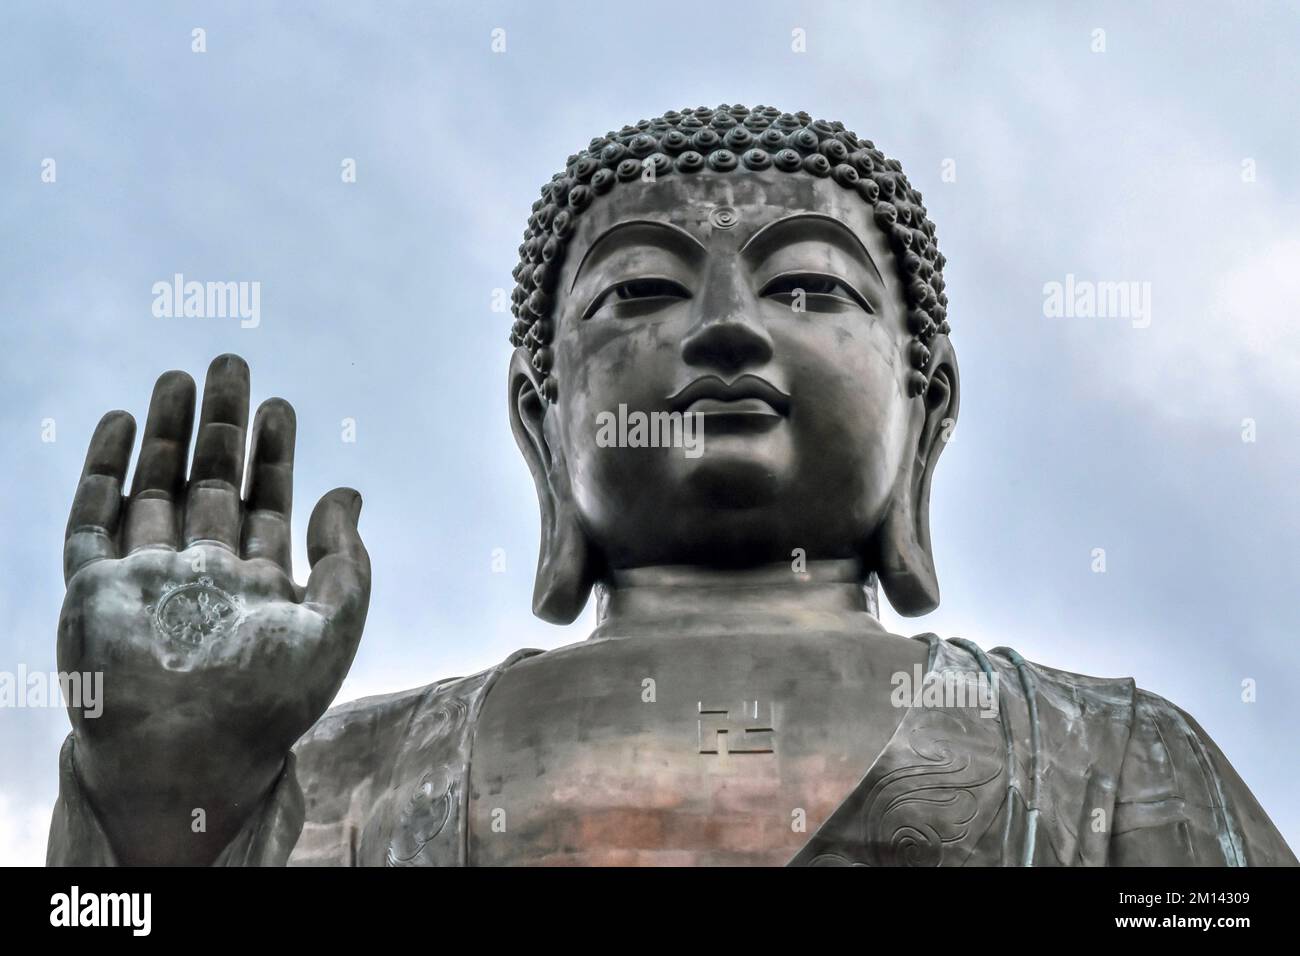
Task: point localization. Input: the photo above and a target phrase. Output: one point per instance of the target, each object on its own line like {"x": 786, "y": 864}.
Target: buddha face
{"x": 769, "y": 306}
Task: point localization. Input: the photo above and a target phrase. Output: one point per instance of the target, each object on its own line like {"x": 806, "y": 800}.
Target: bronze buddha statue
{"x": 774, "y": 282}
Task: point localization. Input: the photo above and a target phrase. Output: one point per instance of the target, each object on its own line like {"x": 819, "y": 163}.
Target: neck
{"x": 826, "y": 596}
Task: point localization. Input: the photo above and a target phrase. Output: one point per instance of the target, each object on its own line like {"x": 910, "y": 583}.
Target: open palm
{"x": 181, "y": 594}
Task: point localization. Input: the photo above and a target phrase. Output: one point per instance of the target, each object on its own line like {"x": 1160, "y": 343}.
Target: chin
{"x": 734, "y": 474}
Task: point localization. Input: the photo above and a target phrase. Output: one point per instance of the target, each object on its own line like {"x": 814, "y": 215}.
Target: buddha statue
{"x": 770, "y": 286}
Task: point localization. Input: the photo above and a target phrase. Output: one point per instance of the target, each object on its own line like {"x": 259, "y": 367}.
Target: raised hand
{"x": 182, "y": 595}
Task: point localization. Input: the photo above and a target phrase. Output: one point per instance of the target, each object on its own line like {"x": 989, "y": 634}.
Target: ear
{"x": 564, "y": 567}
{"x": 904, "y": 559}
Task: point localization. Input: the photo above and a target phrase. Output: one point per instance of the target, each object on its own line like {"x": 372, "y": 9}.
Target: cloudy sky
{"x": 1161, "y": 150}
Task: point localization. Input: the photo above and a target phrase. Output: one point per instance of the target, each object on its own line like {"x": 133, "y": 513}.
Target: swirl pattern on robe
{"x": 924, "y": 801}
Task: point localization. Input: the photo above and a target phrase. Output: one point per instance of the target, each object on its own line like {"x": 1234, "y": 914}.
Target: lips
{"x": 742, "y": 406}
{"x": 748, "y": 397}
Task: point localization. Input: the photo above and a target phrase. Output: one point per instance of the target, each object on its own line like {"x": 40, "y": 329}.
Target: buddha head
{"x": 776, "y": 281}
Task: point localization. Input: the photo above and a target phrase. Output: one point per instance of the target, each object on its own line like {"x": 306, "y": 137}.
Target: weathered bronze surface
{"x": 763, "y": 292}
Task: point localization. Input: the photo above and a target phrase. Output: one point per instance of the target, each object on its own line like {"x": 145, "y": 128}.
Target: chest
{"x": 725, "y": 751}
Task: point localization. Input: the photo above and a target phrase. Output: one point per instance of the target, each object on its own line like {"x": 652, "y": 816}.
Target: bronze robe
{"x": 1072, "y": 771}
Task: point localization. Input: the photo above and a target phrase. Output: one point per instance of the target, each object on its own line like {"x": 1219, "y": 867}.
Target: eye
{"x": 821, "y": 293}
{"x": 650, "y": 289}
{"x": 634, "y": 297}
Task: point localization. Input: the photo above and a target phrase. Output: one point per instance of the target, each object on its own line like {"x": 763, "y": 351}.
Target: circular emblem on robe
{"x": 427, "y": 811}
{"x": 724, "y": 217}
{"x": 195, "y": 613}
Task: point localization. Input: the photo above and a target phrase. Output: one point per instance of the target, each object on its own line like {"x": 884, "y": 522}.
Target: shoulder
{"x": 345, "y": 763}
{"x": 341, "y": 766}
{"x": 365, "y": 714}
{"x": 1180, "y": 801}
{"x": 1076, "y": 695}
{"x": 1165, "y": 792}
{"x": 357, "y": 736}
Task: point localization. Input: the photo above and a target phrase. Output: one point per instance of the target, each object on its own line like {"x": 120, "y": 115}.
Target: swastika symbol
{"x": 748, "y": 729}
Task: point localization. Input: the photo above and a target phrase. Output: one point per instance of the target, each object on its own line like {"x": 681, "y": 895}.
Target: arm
{"x": 215, "y": 662}
{"x": 267, "y": 838}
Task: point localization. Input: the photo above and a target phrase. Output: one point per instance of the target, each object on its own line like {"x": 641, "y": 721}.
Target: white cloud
{"x": 24, "y": 828}
{"x": 1258, "y": 301}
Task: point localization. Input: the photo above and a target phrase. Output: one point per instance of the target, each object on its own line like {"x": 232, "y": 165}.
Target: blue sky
{"x": 1128, "y": 164}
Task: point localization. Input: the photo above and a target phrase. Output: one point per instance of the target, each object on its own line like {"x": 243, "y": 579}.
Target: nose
{"x": 725, "y": 336}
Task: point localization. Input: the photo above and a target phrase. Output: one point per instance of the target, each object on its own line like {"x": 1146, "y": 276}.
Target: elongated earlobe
{"x": 903, "y": 556}
{"x": 564, "y": 567}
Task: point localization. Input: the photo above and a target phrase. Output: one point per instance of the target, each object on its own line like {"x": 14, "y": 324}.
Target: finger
{"x": 268, "y": 501}
{"x": 212, "y": 500}
{"x": 152, "y": 519}
{"x": 97, "y": 505}
{"x": 339, "y": 585}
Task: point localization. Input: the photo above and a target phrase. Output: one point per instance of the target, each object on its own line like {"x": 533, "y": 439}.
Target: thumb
{"x": 340, "y": 566}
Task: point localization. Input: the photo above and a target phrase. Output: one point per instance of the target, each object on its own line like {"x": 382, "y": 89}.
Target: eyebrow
{"x": 657, "y": 229}
{"x": 830, "y": 224}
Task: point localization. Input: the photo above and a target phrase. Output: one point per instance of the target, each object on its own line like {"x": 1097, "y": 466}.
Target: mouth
{"x": 749, "y": 401}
